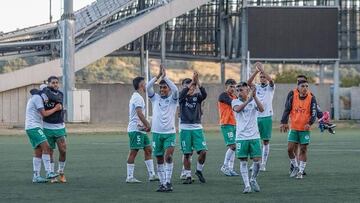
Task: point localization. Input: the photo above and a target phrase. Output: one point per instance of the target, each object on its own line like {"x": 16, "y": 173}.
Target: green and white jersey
{"x": 136, "y": 101}
{"x": 163, "y": 117}
{"x": 246, "y": 121}
{"x": 33, "y": 118}
{"x": 163, "y": 108}
{"x": 265, "y": 94}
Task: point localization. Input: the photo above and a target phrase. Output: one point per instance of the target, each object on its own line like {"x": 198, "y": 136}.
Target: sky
{"x": 16, "y": 14}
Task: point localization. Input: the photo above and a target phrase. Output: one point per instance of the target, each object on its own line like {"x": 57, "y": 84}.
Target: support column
{"x": 163, "y": 44}
{"x": 67, "y": 59}
{"x": 336, "y": 99}
{"x": 222, "y": 41}
{"x": 321, "y": 74}
{"x": 244, "y": 42}
{"x": 141, "y": 6}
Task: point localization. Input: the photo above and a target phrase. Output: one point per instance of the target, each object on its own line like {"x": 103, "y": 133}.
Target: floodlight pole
{"x": 244, "y": 41}
{"x": 222, "y": 41}
{"x": 67, "y": 57}
{"x": 147, "y": 78}
{"x": 336, "y": 94}
{"x": 336, "y": 99}
{"x": 163, "y": 44}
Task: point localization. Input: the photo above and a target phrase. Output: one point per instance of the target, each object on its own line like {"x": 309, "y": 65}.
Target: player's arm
{"x": 172, "y": 86}
{"x": 39, "y": 105}
{"x": 203, "y": 94}
{"x": 46, "y": 113}
{"x": 313, "y": 111}
{"x": 174, "y": 89}
{"x": 237, "y": 107}
{"x": 143, "y": 119}
{"x": 252, "y": 77}
{"x": 285, "y": 117}
{"x": 319, "y": 113}
{"x": 259, "y": 105}
{"x": 150, "y": 87}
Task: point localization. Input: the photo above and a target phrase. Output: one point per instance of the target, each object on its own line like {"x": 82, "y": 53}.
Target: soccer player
{"x": 246, "y": 108}
{"x": 228, "y": 126}
{"x": 34, "y": 129}
{"x": 54, "y": 126}
{"x": 265, "y": 93}
{"x": 191, "y": 131}
{"x": 163, "y": 129}
{"x": 319, "y": 115}
{"x": 301, "y": 107}
{"x": 137, "y": 128}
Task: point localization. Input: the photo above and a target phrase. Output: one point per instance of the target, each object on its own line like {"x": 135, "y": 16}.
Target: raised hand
{"x": 259, "y": 66}
{"x": 163, "y": 70}
{"x": 160, "y": 72}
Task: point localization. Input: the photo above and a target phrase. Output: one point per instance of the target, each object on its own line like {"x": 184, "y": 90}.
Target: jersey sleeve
{"x": 138, "y": 102}
{"x": 39, "y": 104}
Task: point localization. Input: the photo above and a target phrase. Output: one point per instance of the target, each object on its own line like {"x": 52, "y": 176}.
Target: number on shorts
{"x": 40, "y": 132}
{"x": 230, "y": 134}
{"x": 138, "y": 139}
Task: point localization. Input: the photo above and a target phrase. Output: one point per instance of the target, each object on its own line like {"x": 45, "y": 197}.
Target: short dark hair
{"x": 242, "y": 84}
{"x": 302, "y": 81}
{"x": 230, "y": 82}
{"x": 163, "y": 82}
{"x": 302, "y": 76}
{"x": 52, "y": 78}
{"x": 137, "y": 81}
{"x": 186, "y": 81}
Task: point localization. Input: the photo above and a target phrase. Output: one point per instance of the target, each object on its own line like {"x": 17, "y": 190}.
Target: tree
{"x": 289, "y": 76}
{"x": 350, "y": 81}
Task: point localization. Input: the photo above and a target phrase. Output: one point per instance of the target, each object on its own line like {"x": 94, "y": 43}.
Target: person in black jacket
{"x": 54, "y": 126}
{"x": 191, "y": 130}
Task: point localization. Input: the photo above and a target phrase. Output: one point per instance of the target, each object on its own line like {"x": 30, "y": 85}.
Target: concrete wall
{"x": 13, "y": 105}
{"x": 109, "y": 102}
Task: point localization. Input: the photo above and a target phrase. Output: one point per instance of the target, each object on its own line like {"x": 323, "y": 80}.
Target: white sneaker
{"x": 262, "y": 167}
{"x": 247, "y": 190}
{"x": 294, "y": 172}
{"x": 132, "y": 180}
{"x": 254, "y": 185}
{"x": 183, "y": 175}
{"x": 233, "y": 173}
{"x": 154, "y": 178}
{"x": 299, "y": 175}
{"x": 225, "y": 170}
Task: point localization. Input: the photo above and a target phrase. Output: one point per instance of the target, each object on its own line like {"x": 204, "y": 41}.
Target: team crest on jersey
{"x": 194, "y": 99}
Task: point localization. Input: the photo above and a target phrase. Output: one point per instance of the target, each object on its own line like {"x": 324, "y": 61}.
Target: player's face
{"x": 231, "y": 89}
{"x": 191, "y": 89}
{"x": 303, "y": 88}
{"x": 243, "y": 92}
{"x": 54, "y": 83}
{"x": 263, "y": 79}
{"x": 164, "y": 90}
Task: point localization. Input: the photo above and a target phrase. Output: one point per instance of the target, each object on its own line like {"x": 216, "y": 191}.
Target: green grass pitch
{"x": 96, "y": 172}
